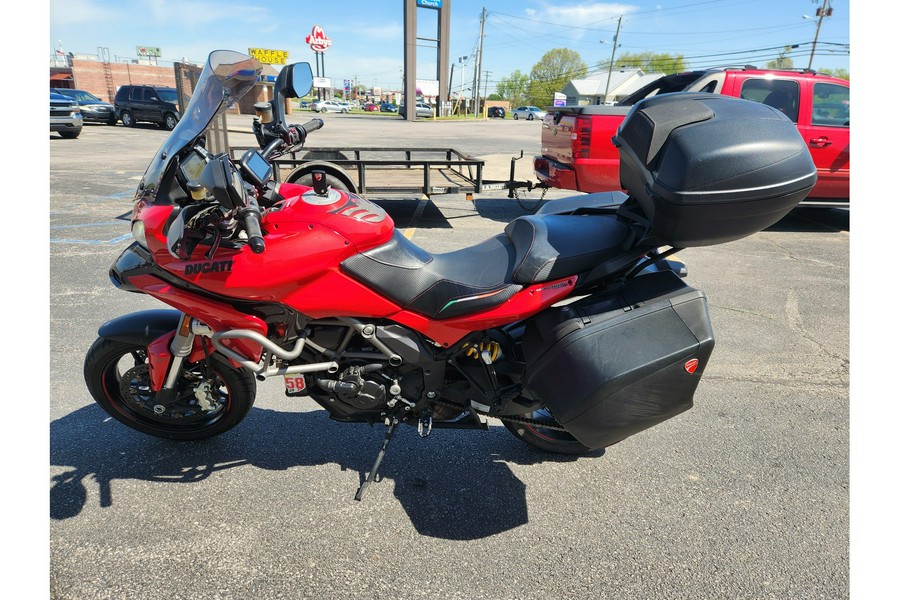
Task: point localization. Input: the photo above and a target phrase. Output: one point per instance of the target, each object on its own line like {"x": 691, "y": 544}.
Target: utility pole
{"x": 479, "y": 56}
{"x": 612, "y": 60}
{"x": 821, "y": 12}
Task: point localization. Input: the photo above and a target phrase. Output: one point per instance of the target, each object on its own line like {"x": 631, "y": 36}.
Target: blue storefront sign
{"x": 429, "y": 3}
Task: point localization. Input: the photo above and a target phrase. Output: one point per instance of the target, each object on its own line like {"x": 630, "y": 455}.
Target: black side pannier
{"x": 707, "y": 169}
{"x": 609, "y": 366}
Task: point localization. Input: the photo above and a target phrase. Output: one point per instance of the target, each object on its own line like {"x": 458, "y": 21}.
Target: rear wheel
{"x": 212, "y": 398}
{"x": 549, "y": 440}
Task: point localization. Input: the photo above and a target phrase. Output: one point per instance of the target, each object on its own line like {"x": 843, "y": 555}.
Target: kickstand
{"x": 372, "y": 474}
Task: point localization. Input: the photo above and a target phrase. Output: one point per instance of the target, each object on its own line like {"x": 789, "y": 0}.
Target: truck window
{"x": 831, "y": 105}
{"x": 710, "y": 84}
{"x": 777, "y": 93}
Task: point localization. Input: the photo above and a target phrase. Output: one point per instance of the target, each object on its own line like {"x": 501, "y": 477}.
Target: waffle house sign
{"x": 269, "y": 57}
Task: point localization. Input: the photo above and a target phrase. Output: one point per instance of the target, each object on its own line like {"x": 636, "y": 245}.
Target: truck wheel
{"x": 127, "y": 118}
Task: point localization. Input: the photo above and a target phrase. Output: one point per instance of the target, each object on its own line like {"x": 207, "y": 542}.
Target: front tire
{"x": 515, "y": 116}
{"x": 548, "y": 440}
{"x": 169, "y": 121}
{"x": 127, "y": 119}
{"x": 118, "y": 377}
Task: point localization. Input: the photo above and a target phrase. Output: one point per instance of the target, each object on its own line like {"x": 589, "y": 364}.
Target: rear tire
{"x": 117, "y": 376}
{"x": 548, "y": 440}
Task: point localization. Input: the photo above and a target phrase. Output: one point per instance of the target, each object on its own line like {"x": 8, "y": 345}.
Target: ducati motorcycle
{"x": 572, "y": 327}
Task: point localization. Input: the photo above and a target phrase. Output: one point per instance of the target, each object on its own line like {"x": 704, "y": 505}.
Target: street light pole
{"x": 612, "y": 60}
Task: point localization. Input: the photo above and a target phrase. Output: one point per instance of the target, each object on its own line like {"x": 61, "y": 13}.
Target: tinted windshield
{"x": 81, "y": 96}
{"x": 167, "y": 95}
{"x": 226, "y": 77}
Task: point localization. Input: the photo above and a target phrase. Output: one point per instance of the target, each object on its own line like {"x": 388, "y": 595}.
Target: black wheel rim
{"x": 126, "y": 383}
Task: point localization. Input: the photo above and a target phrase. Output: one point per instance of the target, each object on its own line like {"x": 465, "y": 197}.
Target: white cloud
{"x": 67, "y": 12}
{"x": 584, "y": 14}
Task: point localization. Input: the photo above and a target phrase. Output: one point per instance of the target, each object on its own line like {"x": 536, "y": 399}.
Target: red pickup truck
{"x": 576, "y": 141}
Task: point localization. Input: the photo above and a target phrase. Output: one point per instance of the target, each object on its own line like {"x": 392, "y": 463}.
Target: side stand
{"x": 374, "y": 472}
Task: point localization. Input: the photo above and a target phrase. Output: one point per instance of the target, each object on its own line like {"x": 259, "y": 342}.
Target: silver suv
{"x": 65, "y": 116}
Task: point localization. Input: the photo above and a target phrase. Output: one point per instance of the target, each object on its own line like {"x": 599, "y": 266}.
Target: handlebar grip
{"x": 250, "y": 218}
{"x": 312, "y": 125}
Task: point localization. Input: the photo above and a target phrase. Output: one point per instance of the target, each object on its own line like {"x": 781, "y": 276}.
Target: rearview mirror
{"x": 293, "y": 81}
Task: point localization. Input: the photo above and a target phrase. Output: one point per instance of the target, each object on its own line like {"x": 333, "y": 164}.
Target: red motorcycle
{"x": 571, "y": 327}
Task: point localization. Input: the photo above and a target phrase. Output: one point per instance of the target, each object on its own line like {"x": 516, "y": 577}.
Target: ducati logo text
{"x": 216, "y": 266}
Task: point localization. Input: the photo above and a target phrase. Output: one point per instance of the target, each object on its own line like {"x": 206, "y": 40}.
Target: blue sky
{"x": 367, "y": 36}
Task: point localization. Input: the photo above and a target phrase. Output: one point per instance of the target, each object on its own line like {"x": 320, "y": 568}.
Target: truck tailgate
{"x": 556, "y": 137}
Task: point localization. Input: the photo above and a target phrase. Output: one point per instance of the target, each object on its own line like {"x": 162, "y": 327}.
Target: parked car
{"x": 324, "y": 106}
{"x": 93, "y": 109}
{"x": 370, "y": 107}
{"x": 65, "y": 116}
{"x": 529, "y": 112}
{"x": 577, "y": 152}
{"x": 496, "y": 112}
{"x": 388, "y": 107}
{"x": 422, "y": 110}
{"x": 147, "y": 104}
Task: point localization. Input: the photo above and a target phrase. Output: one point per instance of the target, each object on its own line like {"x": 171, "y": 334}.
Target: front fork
{"x": 170, "y": 357}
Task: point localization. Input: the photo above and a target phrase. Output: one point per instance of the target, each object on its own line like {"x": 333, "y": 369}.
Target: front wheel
{"x": 515, "y": 117}
{"x": 212, "y": 398}
{"x": 169, "y": 121}
{"x": 549, "y": 440}
{"x": 127, "y": 119}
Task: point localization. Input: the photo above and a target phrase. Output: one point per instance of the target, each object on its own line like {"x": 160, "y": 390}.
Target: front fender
{"x": 141, "y": 327}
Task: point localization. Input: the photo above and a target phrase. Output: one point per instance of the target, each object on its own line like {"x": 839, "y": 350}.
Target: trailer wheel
{"x": 337, "y": 177}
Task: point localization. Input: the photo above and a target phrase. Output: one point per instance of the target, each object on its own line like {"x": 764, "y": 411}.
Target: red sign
{"x": 317, "y": 40}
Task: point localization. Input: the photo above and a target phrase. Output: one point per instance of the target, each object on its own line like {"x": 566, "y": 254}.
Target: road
{"x": 744, "y": 496}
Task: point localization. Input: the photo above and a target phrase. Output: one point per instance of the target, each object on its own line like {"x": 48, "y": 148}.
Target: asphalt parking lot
{"x": 744, "y": 496}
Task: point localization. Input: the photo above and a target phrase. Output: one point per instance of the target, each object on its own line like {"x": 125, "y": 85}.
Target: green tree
{"x": 550, "y": 74}
{"x": 514, "y": 88}
{"x": 839, "y": 73}
{"x": 783, "y": 61}
{"x": 651, "y": 62}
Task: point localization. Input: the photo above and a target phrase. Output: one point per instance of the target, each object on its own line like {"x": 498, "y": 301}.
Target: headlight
{"x": 137, "y": 232}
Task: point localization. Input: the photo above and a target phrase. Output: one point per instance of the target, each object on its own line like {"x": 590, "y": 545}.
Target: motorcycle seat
{"x": 531, "y": 250}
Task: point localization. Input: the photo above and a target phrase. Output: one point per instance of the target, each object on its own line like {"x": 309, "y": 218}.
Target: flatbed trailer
{"x": 389, "y": 171}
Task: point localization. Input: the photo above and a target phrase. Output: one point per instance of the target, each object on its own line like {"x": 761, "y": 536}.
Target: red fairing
{"x": 307, "y": 237}
{"x": 525, "y": 303}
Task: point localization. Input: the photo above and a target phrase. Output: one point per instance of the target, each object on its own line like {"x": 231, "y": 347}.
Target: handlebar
{"x": 250, "y": 218}
{"x": 312, "y": 125}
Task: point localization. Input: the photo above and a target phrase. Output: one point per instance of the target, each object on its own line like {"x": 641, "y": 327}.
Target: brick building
{"x": 102, "y": 79}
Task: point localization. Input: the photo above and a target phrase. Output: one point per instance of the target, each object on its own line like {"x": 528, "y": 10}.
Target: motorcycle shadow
{"x": 456, "y": 486}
